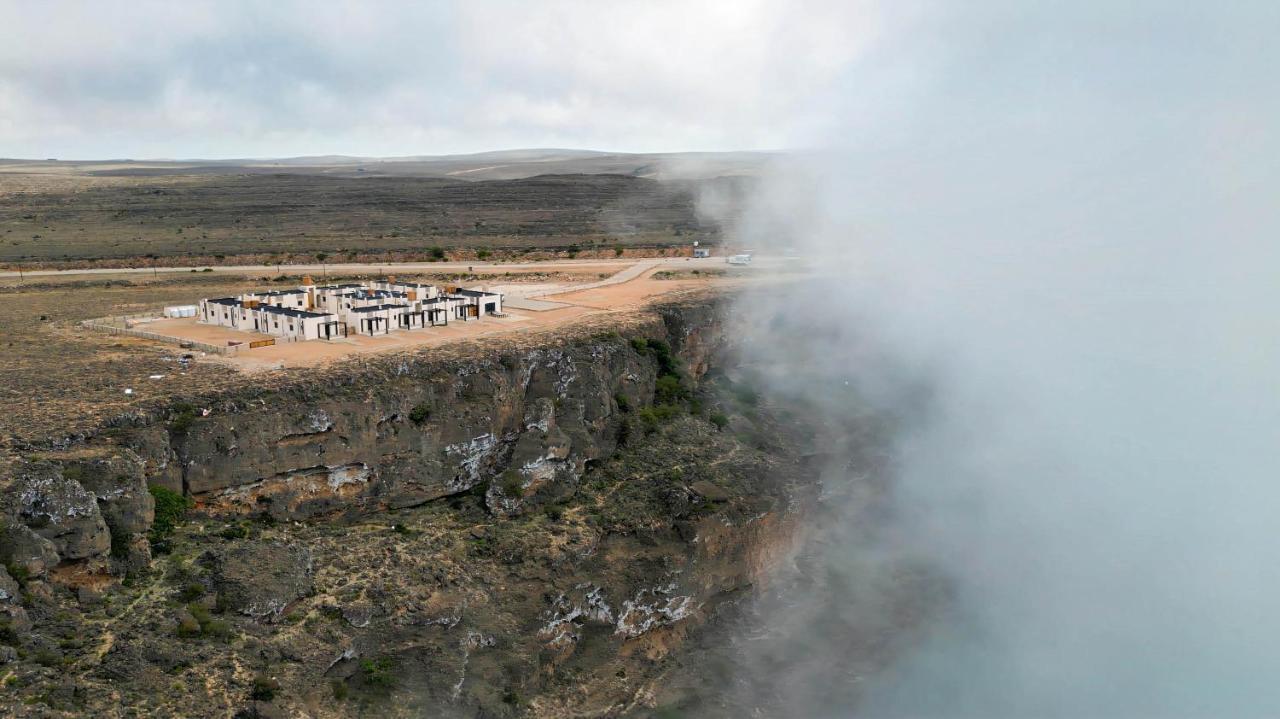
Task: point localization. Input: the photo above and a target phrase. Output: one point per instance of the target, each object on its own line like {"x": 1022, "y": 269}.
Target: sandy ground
{"x": 628, "y": 290}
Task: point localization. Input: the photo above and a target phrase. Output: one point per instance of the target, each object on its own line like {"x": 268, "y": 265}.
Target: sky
{"x": 95, "y": 80}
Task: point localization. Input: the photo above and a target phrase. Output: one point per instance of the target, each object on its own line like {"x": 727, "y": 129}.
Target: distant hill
{"x": 496, "y": 165}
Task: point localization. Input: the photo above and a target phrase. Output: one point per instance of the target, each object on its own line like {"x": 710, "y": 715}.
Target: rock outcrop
{"x": 518, "y": 426}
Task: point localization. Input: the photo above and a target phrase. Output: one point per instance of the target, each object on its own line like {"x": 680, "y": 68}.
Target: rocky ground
{"x": 574, "y": 604}
{"x": 569, "y": 526}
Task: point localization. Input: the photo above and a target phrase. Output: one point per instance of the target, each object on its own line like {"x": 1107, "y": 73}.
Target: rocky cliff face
{"x": 509, "y": 532}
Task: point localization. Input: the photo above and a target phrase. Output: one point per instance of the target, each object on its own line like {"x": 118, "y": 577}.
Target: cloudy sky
{"x": 235, "y": 79}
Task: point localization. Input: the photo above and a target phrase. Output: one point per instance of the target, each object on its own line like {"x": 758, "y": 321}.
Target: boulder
{"x": 20, "y": 547}
{"x": 59, "y": 509}
{"x": 119, "y": 484}
{"x": 260, "y": 580}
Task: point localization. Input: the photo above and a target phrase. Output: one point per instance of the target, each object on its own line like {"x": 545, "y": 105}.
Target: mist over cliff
{"x": 1059, "y": 283}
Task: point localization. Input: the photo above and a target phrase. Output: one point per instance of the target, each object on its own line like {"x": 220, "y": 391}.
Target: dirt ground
{"x": 62, "y": 379}
{"x": 626, "y": 294}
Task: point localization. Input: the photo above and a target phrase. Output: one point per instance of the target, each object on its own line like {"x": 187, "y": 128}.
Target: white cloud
{"x": 236, "y": 79}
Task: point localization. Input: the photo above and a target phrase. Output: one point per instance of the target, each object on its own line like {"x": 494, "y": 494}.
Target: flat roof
{"x": 375, "y": 308}
{"x": 474, "y": 293}
{"x": 291, "y": 312}
{"x": 226, "y": 301}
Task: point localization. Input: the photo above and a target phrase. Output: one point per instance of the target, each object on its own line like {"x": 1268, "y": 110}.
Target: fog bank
{"x": 1064, "y": 227}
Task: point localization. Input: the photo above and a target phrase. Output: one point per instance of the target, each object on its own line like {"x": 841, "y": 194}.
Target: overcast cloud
{"x": 236, "y": 79}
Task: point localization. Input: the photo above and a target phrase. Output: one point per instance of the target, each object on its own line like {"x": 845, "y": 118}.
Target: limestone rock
{"x": 260, "y": 580}
{"x": 61, "y": 510}
{"x": 21, "y": 547}
{"x": 8, "y": 586}
{"x": 119, "y": 484}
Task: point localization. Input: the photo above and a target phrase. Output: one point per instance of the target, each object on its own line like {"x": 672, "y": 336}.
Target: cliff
{"x": 502, "y": 531}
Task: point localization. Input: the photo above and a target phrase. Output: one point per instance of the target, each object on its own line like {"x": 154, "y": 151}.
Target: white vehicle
{"x": 739, "y": 259}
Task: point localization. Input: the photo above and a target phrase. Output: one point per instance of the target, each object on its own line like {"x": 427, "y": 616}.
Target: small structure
{"x": 326, "y": 312}
{"x": 701, "y": 252}
{"x": 739, "y": 259}
{"x": 181, "y": 311}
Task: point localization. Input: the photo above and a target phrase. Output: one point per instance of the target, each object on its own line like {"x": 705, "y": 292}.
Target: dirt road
{"x": 319, "y": 270}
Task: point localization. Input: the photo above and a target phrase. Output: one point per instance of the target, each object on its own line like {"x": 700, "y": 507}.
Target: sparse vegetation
{"x": 171, "y": 509}
{"x": 511, "y": 483}
{"x": 199, "y": 623}
{"x": 419, "y": 414}
{"x": 181, "y": 416}
{"x": 378, "y": 673}
{"x": 264, "y": 688}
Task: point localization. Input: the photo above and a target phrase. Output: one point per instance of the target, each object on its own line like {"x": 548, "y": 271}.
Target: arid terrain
{"x": 39, "y": 323}
{"x": 551, "y": 512}
{"x": 142, "y": 214}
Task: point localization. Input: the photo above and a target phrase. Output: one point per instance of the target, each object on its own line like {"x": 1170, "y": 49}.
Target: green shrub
{"x": 182, "y": 416}
{"x": 234, "y": 531}
{"x": 667, "y": 362}
{"x": 512, "y": 483}
{"x": 437, "y": 253}
{"x": 188, "y": 628}
{"x": 483, "y": 254}
{"x": 624, "y": 404}
{"x": 201, "y": 624}
{"x": 171, "y": 509}
{"x": 119, "y": 543}
{"x": 419, "y": 414}
{"x": 216, "y": 629}
{"x": 658, "y": 415}
{"x": 8, "y": 635}
{"x": 47, "y": 657}
{"x": 19, "y": 572}
{"x": 668, "y": 389}
{"x": 639, "y": 344}
{"x": 191, "y": 592}
{"x": 378, "y": 672}
{"x": 340, "y": 690}
{"x": 719, "y": 419}
{"x": 264, "y": 689}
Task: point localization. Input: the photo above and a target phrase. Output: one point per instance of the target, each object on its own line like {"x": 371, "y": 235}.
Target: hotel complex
{"x": 325, "y": 312}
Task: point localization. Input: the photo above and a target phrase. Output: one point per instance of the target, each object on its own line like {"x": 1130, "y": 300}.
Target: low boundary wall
{"x": 99, "y": 326}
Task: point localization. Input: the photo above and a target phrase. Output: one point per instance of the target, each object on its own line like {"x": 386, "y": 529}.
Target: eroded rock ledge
{"x": 562, "y": 572}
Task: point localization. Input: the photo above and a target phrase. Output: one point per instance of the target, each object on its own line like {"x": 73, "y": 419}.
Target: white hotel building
{"x": 325, "y": 312}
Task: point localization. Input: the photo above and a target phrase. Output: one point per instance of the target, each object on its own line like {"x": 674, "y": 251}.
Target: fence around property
{"x": 100, "y": 326}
